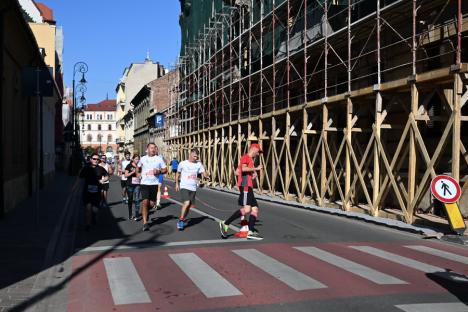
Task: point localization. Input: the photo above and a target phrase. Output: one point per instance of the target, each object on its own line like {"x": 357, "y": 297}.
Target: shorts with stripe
{"x": 247, "y": 197}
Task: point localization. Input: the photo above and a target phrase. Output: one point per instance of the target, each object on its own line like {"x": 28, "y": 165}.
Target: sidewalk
{"x": 25, "y": 243}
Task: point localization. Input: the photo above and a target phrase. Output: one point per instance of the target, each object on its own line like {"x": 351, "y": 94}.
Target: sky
{"x": 109, "y": 35}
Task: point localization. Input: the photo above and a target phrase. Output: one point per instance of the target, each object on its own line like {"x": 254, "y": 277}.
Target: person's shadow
{"x": 455, "y": 283}
{"x": 195, "y": 221}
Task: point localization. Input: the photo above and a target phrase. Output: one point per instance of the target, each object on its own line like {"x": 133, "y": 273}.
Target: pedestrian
{"x": 94, "y": 178}
{"x": 188, "y": 171}
{"x": 174, "y": 165}
{"x": 133, "y": 175}
{"x": 105, "y": 187}
{"x": 123, "y": 179}
{"x": 151, "y": 166}
{"x": 247, "y": 172}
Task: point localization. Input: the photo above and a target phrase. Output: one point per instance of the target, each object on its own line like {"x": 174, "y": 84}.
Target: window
{"x": 89, "y": 127}
{"x": 99, "y": 138}
{"x": 109, "y": 138}
{"x": 99, "y": 127}
{"x": 89, "y": 138}
{"x": 110, "y": 127}
{"x": 109, "y": 117}
{"x": 82, "y": 127}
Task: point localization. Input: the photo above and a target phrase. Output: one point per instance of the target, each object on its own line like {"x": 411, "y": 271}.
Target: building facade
{"x": 134, "y": 78}
{"x": 98, "y": 127}
{"x": 26, "y": 164}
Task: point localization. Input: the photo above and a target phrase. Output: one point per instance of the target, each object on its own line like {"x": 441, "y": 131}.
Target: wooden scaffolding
{"x": 357, "y": 104}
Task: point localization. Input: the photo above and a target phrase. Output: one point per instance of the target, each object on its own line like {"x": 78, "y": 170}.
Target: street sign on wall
{"x": 159, "y": 120}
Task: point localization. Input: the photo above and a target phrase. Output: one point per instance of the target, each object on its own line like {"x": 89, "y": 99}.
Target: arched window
{"x": 109, "y": 138}
{"x": 99, "y": 127}
{"x": 110, "y": 127}
{"x": 99, "y": 137}
{"x": 89, "y": 138}
{"x": 89, "y": 127}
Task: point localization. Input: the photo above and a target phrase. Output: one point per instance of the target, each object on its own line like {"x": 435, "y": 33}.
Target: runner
{"x": 105, "y": 186}
{"x": 188, "y": 171}
{"x": 123, "y": 182}
{"x": 174, "y": 165}
{"x": 133, "y": 175}
{"x": 94, "y": 176}
{"x": 246, "y": 173}
{"x": 151, "y": 166}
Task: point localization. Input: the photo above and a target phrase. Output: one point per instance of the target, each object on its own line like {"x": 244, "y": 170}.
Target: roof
{"x": 46, "y": 12}
{"x": 103, "y": 106}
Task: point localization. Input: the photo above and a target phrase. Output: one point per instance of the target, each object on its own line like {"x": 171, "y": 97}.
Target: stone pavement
{"x": 27, "y": 241}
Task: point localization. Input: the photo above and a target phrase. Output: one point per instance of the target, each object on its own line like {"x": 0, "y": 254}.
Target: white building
{"x": 98, "y": 126}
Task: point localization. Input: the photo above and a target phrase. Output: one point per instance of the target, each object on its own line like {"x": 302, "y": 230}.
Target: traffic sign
{"x": 446, "y": 189}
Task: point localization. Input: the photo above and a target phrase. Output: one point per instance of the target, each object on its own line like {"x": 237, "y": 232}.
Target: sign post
{"x": 447, "y": 190}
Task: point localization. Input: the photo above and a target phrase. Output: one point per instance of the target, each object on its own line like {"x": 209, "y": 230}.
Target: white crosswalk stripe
{"x": 350, "y": 266}
{"x": 439, "y": 253}
{"x": 210, "y": 282}
{"x": 278, "y": 270}
{"x": 124, "y": 282}
{"x": 434, "y": 307}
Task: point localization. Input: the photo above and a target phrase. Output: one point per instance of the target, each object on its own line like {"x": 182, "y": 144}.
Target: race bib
{"x": 93, "y": 188}
{"x": 135, "y": 180}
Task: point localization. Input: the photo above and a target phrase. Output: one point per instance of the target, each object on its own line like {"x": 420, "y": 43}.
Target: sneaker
{"x": 180, "y": 225}
{"x": 158, "y": 206}
{"x": 223, "y": 228}
{"x": 254, "y": 235}
{"x": 146, "y": 227}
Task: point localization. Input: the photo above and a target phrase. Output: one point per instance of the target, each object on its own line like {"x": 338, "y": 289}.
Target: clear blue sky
{"x": 110, "y": 34}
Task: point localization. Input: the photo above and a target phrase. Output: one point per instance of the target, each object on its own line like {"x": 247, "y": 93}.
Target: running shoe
{"x": 223, "y": 228}
{"x": 180, "y": 225}
{"x": 158, "y": 206}
{"x": 146, "y": 227}
{"x": 254, "y": 235}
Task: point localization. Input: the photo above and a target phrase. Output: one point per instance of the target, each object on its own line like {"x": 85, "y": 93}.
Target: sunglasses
{"x": 95, "y": 158}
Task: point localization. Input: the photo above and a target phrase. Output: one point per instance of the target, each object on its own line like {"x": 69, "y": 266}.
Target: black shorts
{"x": 92, "y": 198}
{"x": 188, "y": 195}
{"x": 123, "y": 183}
{"x": 149, "y": 192}
{"x": 105, "y": 186}
{"x": 174, "y": 170}
{"x": 247, "y": 198}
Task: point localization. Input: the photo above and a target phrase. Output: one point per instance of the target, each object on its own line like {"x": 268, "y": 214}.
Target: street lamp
{"x": 79, "y": 67}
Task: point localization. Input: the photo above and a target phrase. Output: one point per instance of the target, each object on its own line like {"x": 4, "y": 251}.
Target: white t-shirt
{"x": 147, "y": 165}
{"x": 189, "y": 174}
{"x": 106, "y": 167}
{"x": 124, "y": 165}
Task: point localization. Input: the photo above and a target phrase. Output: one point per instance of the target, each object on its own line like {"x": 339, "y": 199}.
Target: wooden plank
{"x": 456, "y": 130}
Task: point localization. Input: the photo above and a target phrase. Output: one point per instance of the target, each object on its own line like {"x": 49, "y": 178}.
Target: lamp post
{"x": 79, "y": 67}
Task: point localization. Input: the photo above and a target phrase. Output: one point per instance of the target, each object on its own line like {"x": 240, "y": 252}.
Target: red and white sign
{"x": 445, "y": 188}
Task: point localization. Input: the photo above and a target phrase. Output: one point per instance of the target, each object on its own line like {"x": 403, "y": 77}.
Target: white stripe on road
{"x": 278, "y": 270}
{"x": 210, "y": 282}
{"x": 159, "y": 244}
{"x": 350, "y": 266}
{"x": 232, "y": 227}
{"x": 434, "y": 307}
{"x": 124, "y": 282}
{"x": 439, "y": 253}
{"x": 417, "y": 265}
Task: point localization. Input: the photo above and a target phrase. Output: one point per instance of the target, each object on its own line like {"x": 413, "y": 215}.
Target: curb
{"x": 395, "y": 224}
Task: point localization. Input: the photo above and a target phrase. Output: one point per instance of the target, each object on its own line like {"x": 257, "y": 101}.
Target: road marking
{"x": 124, "y": 282}
{"x": 417, "y": 265}
{"x": 434, "y": 307}
{"x": 232, "y": 227}
{"x": 210, "y": 282}
{"x": 280, "y": 271}
{"x": 350, "y": 266}
{"x": 439, "y": 253}
{"x": 159, "y": 244}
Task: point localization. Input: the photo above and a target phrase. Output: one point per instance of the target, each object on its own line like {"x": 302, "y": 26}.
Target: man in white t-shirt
{"x": 151, "y": 166}
{"x": 188, "y": 171}
{"x": 123, "y": 182}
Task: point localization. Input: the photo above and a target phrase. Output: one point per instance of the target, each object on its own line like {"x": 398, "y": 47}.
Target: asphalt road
{"x": 307, "y": 261}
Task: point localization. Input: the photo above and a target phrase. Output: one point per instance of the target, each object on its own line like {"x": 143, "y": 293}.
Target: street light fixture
{"x": 79, "y": 67}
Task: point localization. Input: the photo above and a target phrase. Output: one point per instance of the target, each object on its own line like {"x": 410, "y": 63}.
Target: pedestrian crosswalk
{"x": 213, "y": 276}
